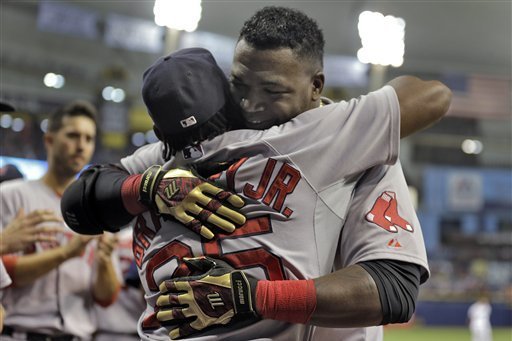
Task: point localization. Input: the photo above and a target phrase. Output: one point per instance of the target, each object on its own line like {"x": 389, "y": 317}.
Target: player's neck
{"x": 57, "y": 183}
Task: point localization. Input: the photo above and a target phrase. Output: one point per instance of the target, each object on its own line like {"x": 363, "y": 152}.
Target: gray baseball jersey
{"x": 60, "y": 301}
{"x": 298, "y": 180}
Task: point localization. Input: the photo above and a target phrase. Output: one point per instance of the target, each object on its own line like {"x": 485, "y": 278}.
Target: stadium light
{"x": 53, "y": 80}
{"x": 178, "y": 14}
{"x": 382, "y": 39}
{"x": 470, "y": 146}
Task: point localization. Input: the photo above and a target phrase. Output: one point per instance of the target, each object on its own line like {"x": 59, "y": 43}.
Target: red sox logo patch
{"x": 384, "y": 213}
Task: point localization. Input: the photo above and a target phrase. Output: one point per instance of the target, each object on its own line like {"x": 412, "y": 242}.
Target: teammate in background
{"x": 479, "y": 317}
{"x": 55, "y": 283}
{"x": 291, "y": 177}
{"x": 22, "y": 231}
{"x": 118, "y": 321}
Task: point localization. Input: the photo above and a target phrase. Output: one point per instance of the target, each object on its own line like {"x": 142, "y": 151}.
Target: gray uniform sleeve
{"x": 382, "y": 222}
{"x": 143, "y": 158}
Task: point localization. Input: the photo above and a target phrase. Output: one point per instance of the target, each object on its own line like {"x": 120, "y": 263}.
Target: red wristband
{"x": 291, "y": 301}
{"x": 130, "y": 195}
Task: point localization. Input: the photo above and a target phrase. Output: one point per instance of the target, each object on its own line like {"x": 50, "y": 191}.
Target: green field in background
{"x": 440, "y": 334}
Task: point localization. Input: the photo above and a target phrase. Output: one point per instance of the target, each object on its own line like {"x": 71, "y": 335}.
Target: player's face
{"x": 71, "y": 148}
{"x": 272, "y": 86}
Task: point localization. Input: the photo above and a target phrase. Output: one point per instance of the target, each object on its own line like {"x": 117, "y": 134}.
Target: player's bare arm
{"x": 108, "y": 198}
{"x": 28, "y": 268}
{"x": 422, "y": 103}
{"x": 106, "y": 285}
{"x": 344, "y": 298}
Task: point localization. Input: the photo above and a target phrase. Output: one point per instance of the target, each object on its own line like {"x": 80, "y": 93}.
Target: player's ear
{"x": 48, "y": 140}
{"x": 317, "y": 84}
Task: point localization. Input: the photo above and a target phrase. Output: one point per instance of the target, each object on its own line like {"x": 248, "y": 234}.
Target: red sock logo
{"x": 384, "y": 213}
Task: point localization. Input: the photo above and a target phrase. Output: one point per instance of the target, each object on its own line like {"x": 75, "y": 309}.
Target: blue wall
{"x": 455, "y": 314}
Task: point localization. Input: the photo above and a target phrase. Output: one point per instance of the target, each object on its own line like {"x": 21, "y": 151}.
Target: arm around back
{"x": 422, "y": 103}
{"x": 94, "y": 202}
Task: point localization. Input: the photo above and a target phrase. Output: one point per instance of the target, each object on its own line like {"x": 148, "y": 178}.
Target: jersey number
{"x": 256, "y": 257}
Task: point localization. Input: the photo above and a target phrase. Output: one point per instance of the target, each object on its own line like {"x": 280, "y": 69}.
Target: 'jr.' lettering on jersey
{"x": 270, "y": 191}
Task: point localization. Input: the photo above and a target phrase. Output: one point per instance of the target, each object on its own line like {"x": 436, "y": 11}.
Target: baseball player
{"x": 297, "y": 205}
{"x": 55, "y": 283}
{"x": 479, "y": 317}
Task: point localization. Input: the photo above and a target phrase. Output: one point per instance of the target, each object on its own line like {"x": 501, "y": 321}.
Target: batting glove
{"x": 190, "y": 199}
{"x": 218, "y": 296}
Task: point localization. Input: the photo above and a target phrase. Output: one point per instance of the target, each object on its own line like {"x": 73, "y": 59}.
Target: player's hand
{"x": 107, "y": 242}
{"x": 76, "y": 246}
{"x": 218, "y": 296}
{"x": 191, "y": 200}
{"x": 25, "y": 230}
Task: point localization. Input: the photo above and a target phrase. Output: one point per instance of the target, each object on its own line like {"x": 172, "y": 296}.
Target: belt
{"x": 31, "y": 336}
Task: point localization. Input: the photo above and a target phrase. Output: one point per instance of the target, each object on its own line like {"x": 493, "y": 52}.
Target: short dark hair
{"x": 71, "y": 109}
{"x": 280, "y": 27}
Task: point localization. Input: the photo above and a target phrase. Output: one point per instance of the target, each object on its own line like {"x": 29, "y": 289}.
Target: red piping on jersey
{"x": 130, "y": 195}
{"x": 10, "y": 262}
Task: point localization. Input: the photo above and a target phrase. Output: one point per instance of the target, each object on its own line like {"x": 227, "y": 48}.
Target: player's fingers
{"x": 103, "y": 257}
{"x": 221, "y": 223}
{"x": 44, "y": 238}
{"x": 50, "y": 229}
{"x": 105, "y": 249}
{"x": 195, "y": 225}
{"x": 168, "y": 300}
{"x": 206, "y": 215}
{"x": 173, "y": 314}
{"x": 197, "y": 196}
{"x": 234, "y": 216}
{"x": 42, "y": 217}
{"x": 107, "y": 243}
{"x": 221, "y": 194}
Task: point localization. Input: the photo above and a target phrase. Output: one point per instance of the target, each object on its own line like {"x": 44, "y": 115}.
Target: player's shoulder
{"x": 13, "y": 186}
{"x": 144, "y": 157}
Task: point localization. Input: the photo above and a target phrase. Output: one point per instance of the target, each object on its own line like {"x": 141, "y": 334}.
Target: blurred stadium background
{"x": 460, "y": 169}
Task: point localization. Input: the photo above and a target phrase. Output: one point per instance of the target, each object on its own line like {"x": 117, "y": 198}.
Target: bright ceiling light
{"x": 178, "y": 14}
{"x": 382, "y": 38}
{"x": 118, "y": 95}
{"x": 472, "y": 146}
{"x": 109, "y": 93}
{"x": 6, "y": 121}
{"x": 106, "y": 93}
{"x": 18, "y": 124}
{"x": 53, "y": 80}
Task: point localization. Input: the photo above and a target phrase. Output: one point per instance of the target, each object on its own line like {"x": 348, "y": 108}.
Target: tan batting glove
{"x": 191, "y": 200}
